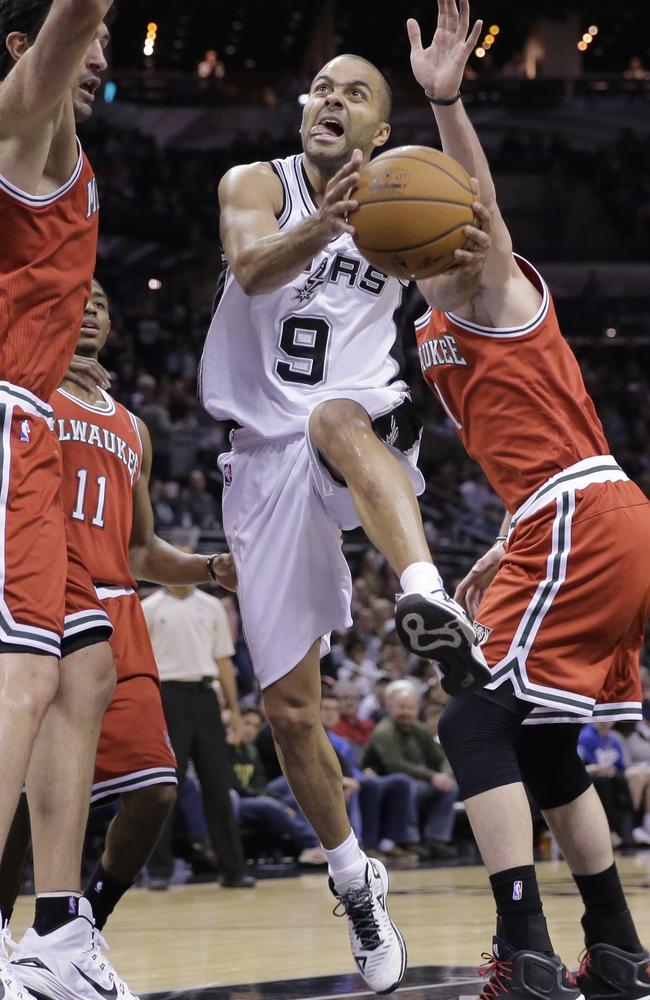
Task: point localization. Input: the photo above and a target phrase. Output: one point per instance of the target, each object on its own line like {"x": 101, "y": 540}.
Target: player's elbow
{"x": 250, "y": 277}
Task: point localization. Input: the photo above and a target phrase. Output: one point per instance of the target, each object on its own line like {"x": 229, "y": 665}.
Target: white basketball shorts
{"x": 283, "y": 513}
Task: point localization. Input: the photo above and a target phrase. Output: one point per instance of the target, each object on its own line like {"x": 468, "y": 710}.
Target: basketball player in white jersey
{"x": 299, "y": 358}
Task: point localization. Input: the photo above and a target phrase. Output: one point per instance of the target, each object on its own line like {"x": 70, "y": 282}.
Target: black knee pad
{"x": 480, "y": 736}
{"x": 550, "y": 764}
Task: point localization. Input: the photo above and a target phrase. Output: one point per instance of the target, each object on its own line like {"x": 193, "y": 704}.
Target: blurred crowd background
{"x": 560, "y": 98}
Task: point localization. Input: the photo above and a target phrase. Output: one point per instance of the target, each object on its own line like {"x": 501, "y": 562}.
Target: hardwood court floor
{"x": 195, "y": 936}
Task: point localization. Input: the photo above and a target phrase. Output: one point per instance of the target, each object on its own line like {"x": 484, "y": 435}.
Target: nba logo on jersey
{"x": 518, "y": 891}
{"x": 25, "y": 431}
{"x": 93, "y": 198}
{"x": 227, "y": 474}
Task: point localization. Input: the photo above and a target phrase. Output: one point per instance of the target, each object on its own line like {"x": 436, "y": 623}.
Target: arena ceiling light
{"x": 490, "y": 38}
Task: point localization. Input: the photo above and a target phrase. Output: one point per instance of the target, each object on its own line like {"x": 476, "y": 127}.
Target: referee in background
{"x": 191, "y": 640}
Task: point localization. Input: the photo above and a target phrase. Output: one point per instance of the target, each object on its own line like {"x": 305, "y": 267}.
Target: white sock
{"x": 420, "y": 578}
{"x": 347, "y": 864}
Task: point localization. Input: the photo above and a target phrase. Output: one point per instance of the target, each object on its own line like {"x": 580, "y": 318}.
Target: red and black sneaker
{"x": 526, "y": 975}
{"x": 608, "y": 973}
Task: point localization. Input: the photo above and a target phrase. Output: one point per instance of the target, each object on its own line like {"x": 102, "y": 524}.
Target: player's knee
{"x": 293, "y": 720}
{"x": 333, "y": 422}
{"x": 149, "y": 806}
{"x": 480, "y": 738}
{"x": 551, "y": 766}
{"x": 30, "y": 689}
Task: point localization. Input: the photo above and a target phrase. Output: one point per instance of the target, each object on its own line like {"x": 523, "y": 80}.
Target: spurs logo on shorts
{"x": 483, "y": 633}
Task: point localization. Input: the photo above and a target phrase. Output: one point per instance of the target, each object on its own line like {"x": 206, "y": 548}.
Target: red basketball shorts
{"x": 33, "y": 557}
{"x": 134, "y": 750}
{"x": 565, "y": 616}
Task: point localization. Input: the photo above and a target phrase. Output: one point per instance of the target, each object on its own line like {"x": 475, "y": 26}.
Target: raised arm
{"x": 507, "y": 297}
{"x": 155, "y": 560}
{"x": 44, "y": 72}
{"x": 262, "y": 257}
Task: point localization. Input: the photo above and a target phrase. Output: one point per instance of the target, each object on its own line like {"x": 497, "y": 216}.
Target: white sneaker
{"x": 377, "y": 946}
{"x": 641, "y": 836}
{"x": 435, "y": 627}
{"x": 10, "y": 987}
{"x": 69, "y": 963}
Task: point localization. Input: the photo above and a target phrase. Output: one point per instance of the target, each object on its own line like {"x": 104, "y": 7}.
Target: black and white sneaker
{"x": 377, "y": 946}
{"x": 68, "y": 963}
{"x": 10, "y": 986}
{"x": 435, "y": 627}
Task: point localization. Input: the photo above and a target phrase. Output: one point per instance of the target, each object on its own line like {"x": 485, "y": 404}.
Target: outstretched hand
{"x": 439, "y": 68}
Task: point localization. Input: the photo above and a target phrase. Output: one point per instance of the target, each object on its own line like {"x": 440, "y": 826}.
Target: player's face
{"x": 96, "y": 323}
{"x": 342, "y": 113}
{"x": 89, "y": 80}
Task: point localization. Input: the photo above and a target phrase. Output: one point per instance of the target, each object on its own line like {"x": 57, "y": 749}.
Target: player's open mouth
{"x": 328, "y": 128}
{"x": 89, "y": 326}
{"x": 89, "y": 87}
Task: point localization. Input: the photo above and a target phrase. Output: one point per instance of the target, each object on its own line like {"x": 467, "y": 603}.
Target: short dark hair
{"x": 327, "y": 694}
{"x": 25, "y": 16}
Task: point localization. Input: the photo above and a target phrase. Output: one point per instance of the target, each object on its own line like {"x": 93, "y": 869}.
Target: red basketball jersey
{"x": 102, "y": 459}
{"x": 47, "y": 259}
{"x": 516, "y": 396}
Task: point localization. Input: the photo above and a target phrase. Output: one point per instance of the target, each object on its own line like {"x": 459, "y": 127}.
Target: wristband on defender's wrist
{"x": 441, "y": 102}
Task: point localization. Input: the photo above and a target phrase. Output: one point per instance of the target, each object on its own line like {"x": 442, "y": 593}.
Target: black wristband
{"x": 210, "y": 564}
{"x": 441, "y": 102}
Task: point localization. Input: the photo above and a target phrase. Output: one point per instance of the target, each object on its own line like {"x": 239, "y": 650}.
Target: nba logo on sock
{"x": 518, "y": 891}
{"x": 227, "y": 474}
{"x": 73, "y": 905}
{"x": 25, "y": 432}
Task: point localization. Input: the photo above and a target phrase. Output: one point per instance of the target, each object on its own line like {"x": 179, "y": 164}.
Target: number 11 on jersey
{"x": 79, "y": 513}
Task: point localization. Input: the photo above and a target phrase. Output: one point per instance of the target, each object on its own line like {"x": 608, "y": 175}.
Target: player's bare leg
{"x": 383, "y": 496}
{"x": 60, "y": 774}
{"x": 613, "y": 946}
{"x": 17, "y": 852}
{"x": 308, "y": 760}
{"x": 313, "y": 771}
{"x": 28, "y": 685}
{"x": 130, "y": 840}
{"x": 428, "y": 622}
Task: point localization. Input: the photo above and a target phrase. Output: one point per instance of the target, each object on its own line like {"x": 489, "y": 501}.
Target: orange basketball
{"x": 413, "y": 205}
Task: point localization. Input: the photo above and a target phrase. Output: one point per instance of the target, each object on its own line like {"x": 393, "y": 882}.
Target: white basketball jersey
{"x": 270, "y": 359}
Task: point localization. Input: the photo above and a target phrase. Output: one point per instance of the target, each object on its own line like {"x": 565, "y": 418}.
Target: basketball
{"x": 413, "y": 204}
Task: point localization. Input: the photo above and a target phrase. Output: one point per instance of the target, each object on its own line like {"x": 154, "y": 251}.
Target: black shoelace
{"x": 357, "y": 904}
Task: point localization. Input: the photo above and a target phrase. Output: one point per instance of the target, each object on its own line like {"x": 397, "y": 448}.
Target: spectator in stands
{"x": 431, "y": 713}
{"x": 211, "y": 67}
{"x": 380, "y": 805}
{"x": 352, "y": 728}
{"x": 154, "y": 413}
{"x": 197, "y": 506}
{"x": 604, "y": 757}
{"x": 256, "y": 811}
{"x": 637, "y": 772}
{"x": 373, "y": 705}
{"x": 401, "y": 744}
{"x": 357, "y": 666}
